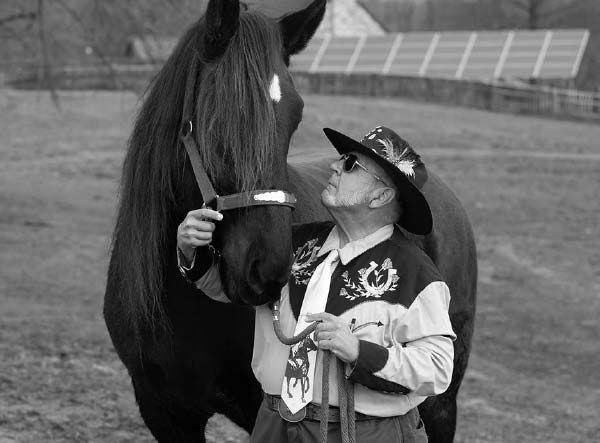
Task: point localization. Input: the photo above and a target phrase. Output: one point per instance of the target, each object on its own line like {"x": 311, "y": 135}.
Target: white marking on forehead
{"x": 275, "y": 89}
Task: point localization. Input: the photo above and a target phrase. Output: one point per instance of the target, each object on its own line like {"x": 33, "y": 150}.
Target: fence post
{"x": 555, "y": 102}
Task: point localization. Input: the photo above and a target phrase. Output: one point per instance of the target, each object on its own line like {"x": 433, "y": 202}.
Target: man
{"x": 381, "y": 303}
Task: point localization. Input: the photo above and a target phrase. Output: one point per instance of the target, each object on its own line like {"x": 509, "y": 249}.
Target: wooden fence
{"x": 499, "y": 97}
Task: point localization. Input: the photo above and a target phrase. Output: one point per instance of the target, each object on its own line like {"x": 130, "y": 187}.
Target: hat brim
{"x": 416, "y": 215}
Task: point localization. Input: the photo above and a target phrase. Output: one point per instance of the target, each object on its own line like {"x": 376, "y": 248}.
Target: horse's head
{"x": 246, "y": 110}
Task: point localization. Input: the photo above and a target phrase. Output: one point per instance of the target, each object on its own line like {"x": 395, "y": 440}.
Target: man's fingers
{"x": 324, "y": 335}
{"x": 321, "y": 316}
{"x": 205, "y": 213}
{"x": 324, "y": 344}
{"x": 327, "y": 326}
{"x": 200, "y": 235}
{"x": 199, "y": 240}
{"x": 196, "y": 242}
{"x": 200, "y": 225}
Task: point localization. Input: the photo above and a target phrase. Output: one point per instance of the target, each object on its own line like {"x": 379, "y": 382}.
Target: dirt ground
{"x": 530, "y": 187}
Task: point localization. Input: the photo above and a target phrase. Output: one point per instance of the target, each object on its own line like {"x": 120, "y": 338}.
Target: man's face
{"x": 353, "y": 188}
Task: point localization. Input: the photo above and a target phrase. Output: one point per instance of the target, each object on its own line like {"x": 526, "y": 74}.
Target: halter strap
{"x": 206, "y": 187}
{"x": 209, "y": 195}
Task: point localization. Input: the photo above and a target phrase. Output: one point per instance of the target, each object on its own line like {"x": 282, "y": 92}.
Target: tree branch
{"x": 103, "y": 59}
{"x": 45, "y": 71}
{"x": 521, "y": 5}
{"x": 18, "y": 16}
{"x": 550, "y": 14}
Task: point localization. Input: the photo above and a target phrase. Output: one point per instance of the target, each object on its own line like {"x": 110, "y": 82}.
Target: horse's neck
{"x": 307, "y": 181}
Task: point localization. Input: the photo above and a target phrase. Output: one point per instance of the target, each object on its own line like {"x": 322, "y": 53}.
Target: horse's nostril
{"x": 254, "y": 278}
{"x": 267, "y": 273}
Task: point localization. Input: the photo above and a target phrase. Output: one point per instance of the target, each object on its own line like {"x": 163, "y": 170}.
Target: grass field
{"x": 530, "y": 187}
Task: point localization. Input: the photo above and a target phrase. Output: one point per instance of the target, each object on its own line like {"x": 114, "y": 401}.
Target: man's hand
{"x": 196, "y": 230}
{"x": 333, "y": 333}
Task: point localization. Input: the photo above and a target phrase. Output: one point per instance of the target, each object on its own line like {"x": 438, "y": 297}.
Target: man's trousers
{"x": 271, "y": 428}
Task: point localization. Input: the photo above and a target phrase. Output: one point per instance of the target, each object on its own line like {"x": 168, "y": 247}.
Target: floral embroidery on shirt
{"x": 304, "y": 256}
{"x": 373, "y": 282}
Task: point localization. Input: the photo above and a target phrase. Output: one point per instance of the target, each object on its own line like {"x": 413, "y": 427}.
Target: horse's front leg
{"x": 439, "y": 416}
{"x": 166, "y": 421}
{"x": 302, "y": 391}
{"x": 307, "y": 384}
{"x": 288, "y": 388}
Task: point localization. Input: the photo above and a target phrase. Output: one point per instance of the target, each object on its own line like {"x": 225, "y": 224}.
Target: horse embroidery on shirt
{"x": 373, "y": 282}
{"x": 298, "y": 366}
{"x": 304, "y": 256}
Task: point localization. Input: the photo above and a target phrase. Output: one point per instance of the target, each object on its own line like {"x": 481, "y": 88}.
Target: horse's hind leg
{"x": 169, "y": 424}
{"x": 439, "y": 416}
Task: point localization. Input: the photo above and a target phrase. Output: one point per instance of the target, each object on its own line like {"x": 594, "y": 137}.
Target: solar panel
{"x": 337, "y": 54}
{"x": 373, "y": 54}
{"x": 461, "y": 55}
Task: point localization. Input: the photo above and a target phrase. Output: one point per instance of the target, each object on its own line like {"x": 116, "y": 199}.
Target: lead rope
{"x": 345, "y": 386}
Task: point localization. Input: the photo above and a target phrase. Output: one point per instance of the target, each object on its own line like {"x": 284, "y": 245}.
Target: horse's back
{"x": 451, "y": 245}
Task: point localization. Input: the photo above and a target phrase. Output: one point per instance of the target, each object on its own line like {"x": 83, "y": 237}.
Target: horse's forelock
{"x": 235, "y": 116}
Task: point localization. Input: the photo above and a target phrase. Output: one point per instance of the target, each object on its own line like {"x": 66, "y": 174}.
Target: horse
{"x": 298, "y": 365}
{"x": 188, "y": 356}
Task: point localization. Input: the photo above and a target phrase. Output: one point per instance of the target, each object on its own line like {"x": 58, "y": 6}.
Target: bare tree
{"x": 393, "y": 16}
{"x": 40, "y": 36}
{"x": 534, "y": 14}
{"x": 45, "y": 72}
{"x": 17, "y": 16}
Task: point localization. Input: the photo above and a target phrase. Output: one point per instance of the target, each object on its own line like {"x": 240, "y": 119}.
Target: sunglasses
{"x": 350, "y": 161}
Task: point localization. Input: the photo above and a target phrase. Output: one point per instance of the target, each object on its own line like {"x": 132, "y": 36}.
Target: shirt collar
{"x": 354, "y": 248}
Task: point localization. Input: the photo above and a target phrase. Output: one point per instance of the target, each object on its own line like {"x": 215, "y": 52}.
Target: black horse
{"x": 188, "y": 356}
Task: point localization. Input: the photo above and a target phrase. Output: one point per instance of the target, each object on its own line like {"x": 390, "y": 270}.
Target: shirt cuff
{"x": 371, "y": 359}
{"x": 204, "y": 258}
{"x": 182, "y": 260}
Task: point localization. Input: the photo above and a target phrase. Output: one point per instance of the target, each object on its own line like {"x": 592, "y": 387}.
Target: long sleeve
{"x": 421, "y": 359}
{"x": 204, "y": 274}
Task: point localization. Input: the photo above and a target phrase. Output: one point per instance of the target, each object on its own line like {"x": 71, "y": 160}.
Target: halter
{"x": 273, "y": 197}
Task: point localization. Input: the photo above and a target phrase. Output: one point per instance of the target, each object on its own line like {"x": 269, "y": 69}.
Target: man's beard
{"x": 346, "y": 201}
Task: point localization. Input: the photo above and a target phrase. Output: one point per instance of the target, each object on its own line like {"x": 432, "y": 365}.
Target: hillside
{"x": 92, "y": 31}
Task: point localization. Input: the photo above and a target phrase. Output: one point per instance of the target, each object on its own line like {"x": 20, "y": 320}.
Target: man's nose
{"x": 336, "y": 166}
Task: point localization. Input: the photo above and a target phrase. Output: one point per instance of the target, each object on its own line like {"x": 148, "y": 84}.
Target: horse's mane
{"x": 236, "y": 130}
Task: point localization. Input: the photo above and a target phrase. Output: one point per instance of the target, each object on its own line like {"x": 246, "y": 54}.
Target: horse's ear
{"x": 299, "y": 27}
{"x": 222, "y": 21}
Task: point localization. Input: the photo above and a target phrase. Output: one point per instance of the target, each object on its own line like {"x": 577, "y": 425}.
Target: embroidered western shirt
{"x": 397, "y": 303}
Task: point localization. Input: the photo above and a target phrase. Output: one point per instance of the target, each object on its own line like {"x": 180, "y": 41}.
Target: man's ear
{"x": 299, "y": 27}
{"x": 381, "y": 197}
